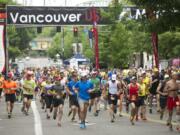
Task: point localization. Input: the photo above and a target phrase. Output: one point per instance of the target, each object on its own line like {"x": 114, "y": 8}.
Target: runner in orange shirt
{"x": 10, "y": 87}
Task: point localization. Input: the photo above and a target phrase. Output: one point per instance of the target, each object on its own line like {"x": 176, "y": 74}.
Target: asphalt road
{"x": 37, "y": 124}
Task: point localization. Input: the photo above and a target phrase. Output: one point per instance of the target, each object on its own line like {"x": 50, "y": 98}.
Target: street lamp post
{"x": 62, "y": 40}
{"x": 62, "y": 43}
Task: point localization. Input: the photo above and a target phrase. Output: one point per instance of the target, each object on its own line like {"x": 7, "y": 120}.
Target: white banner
{"x": 2, "y": 54}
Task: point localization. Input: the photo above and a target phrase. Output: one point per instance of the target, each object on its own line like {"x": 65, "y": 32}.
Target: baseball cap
{"x": 83, "y": 74}
{"x": 29, "y": 73}
{"x": 133, "y": 78}
{"x": 174, "y": 73}
{"x": 10, "y": 75}
{"x": 143, "y": 72}
{"x": 166, "y": 76}
{"x": 113, "y": 77}
{"x": 93, "y": 72}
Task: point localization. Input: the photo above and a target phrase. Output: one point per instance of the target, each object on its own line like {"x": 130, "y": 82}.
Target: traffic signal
{"x": 2, "y": 12}
{"x": 2, "y": 5}
{"x": 91, "y": 33}
{"x": 75, "y": 31}
{"x": 58, "y": 28}
{"x": 39, "y": 30}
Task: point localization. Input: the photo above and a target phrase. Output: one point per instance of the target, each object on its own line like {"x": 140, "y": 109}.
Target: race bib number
{"x": 58, "y": 97}
{"x": 8, "y": 91}
{"x": 133, "y": 98}
{"x": 28, "y": 90}
{"x": 112, "y": 98}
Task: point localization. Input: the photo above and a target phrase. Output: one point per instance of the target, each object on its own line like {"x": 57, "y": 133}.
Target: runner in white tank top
{"x": 113, "y": 88}
{"x": 113, "y": 92}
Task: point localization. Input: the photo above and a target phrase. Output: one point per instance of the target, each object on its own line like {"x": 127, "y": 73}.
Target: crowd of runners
{"x": 132, "y": 90}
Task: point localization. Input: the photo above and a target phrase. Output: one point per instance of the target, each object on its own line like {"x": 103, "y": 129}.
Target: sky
{"x": 51, "y": 2}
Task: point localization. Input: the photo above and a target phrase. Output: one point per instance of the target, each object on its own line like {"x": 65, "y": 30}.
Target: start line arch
{"x": 50, "y": 16}
{"x": 54, "y": 16}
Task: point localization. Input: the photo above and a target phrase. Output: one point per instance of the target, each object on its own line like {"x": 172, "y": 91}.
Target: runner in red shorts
{"x": 171, "y": 88}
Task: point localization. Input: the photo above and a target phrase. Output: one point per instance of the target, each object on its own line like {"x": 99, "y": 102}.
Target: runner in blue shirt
{"x": 73, "y": 100}
{"x": 84, "y": 88}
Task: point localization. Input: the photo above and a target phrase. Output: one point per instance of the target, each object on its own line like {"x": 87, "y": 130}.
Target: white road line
{"x": 37, "y": 119}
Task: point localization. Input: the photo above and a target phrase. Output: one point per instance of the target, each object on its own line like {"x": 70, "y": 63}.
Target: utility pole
{"x": 95, "y": 31}
{"x": 62, "y": 39}
{"x": 62, "y": 43}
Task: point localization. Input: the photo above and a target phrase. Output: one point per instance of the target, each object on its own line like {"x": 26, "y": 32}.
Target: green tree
{"x": 14, "y": 52}
{"x": 121, "y": 50}
{"x": 19, "y": 38}
{"x": 163, "y": 17}
{"x": 167, "y": 11}
{"x": 7, "y": 2}
{"x": 121, "y": 39}
{"x": 115, "y": 46}
{"x": 169, "y": 45}
{"x": 57, "y": 48}
{"x": 48, "y": 32}
{"x": 139, "y": 38}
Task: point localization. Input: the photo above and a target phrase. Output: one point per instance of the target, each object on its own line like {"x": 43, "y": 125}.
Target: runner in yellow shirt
{"x": 141, "y": 99}
{"x": 28, "y": 87}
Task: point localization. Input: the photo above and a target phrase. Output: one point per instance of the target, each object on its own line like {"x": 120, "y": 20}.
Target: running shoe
{"x": 59, "y": 124}
{"x": 170, "y": 127}
{"x": 22, "y": 109}
{"x": 73, "y": 119}
{"x": 150, "y": 111}
{"x": 81, "y": 125}
{"x": 84, "y": 125}
{"x": 48, "y": 117}
{"x": 69, "y": 113}
{"x": 9, "y": 115}
{"x": 89, "y": 109}
{"x": 95, "y": 114}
